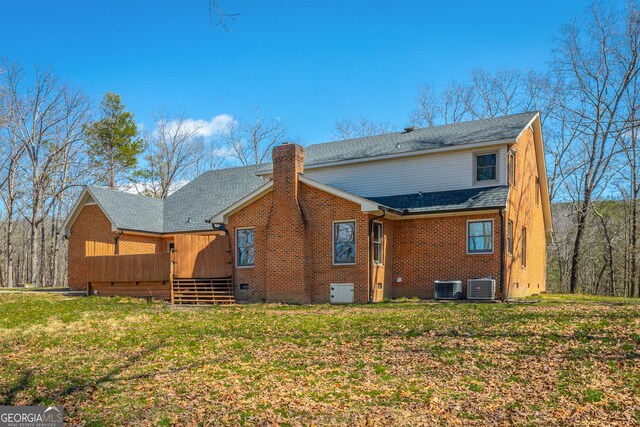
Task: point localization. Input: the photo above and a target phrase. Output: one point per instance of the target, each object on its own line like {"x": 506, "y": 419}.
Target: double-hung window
{"x": 344, "y": 242}
{"x": 480, "y": 237}
{"x": 245, "y": 250}
{"x": 377, "y": 242}
{"x": 486, "y": 167}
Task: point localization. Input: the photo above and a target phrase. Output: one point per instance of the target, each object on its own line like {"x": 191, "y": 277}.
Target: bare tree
{"x": 220, "y": 17}
{"x": 47, "y": 119}
{"x": 10, "y": 154}
{"x": 251, "y": 142}
{"x": 630, "y": 150}
{"x": 597, "y": 60}
{"x": 356, "y": 128}
{"x": 486, "y": 94}
{"x": 173, "y": 148}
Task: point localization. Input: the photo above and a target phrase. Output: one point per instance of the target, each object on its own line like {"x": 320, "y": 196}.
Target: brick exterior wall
{"x": 133, "y": 244}
{"x": 293, "y": 241}
{"x": 92, "y": 225}
{"x": 419, "y": 251}
{"x": 524, "y": 212}
{"x": 435, "y": 248}
{"x": 322, "y": 210}
{"x": 254, "y": 215}
{"x": 288, "y": 265}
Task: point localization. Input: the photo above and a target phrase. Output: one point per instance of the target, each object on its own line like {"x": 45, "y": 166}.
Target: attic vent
{"x": 409, "y": 129}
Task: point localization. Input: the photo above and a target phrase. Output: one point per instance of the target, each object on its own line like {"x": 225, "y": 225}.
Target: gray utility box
{"x": 481, "y": 289}
{"x": 341, "y": 293}
{"x": 447, "y": 289}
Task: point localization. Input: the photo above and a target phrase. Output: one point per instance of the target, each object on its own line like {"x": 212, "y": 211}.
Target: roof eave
{"x": 366, "y": 205}
{"x": 536, "y": 124}
{"x": 77, "y": 207}
{"x": 222, "y": 217}
{"x": 447, "y": 212}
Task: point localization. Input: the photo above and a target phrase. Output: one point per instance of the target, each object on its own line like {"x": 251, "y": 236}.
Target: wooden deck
{"x": 198, "y": 272}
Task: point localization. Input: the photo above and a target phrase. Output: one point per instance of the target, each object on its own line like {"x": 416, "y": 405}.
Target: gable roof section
{"x": 496, "y": 129}
{"x": 214, "y": 192}
{"x": 126, "y": 211}
{"x": 189, "y": 208}
{"x": 223, "y": 216}
{"x": 447, "y": 201}
{"x": 130, "y": 211}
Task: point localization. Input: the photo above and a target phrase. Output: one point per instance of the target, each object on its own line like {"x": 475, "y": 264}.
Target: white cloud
{"x": 217, "y": 125}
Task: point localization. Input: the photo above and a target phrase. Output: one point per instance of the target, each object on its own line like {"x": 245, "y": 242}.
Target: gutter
{"x": 370, "y": 284}
{"x": 502, "y": 260}
{"x": 406, "y": 212}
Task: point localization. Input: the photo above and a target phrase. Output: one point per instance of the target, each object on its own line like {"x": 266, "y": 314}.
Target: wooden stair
{"x": 203, "y": 291}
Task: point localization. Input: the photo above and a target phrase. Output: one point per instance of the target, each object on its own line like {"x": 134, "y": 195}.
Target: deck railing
{"x": 129, "y": 268}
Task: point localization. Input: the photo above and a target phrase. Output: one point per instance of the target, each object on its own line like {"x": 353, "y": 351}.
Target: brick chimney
{"x": 288, "y": 162}
{"x": 286, "y": 229}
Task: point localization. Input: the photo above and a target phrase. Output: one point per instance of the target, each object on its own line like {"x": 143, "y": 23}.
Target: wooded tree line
{"x": 54, "y": 140}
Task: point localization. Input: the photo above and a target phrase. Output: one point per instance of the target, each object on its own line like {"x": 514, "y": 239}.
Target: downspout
{"x": 502, "y": 287}
{"x": 217, "y": 227}
{"x": 371, "y": 253}
{"x": 116, "y": 241}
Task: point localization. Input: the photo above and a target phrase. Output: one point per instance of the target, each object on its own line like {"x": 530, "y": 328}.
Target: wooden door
{"x": 201, "y": 256}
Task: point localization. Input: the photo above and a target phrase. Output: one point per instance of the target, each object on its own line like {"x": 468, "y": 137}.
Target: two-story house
{"x": 384, "y": 216}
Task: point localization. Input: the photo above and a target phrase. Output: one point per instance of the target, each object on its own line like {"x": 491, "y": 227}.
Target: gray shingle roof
{"x": 476, "y": 131}
{"x": 185, "y": 210}
{"x": 130, "y": 211}
{"x": 212, "y": 192}
{"x": 207, "y": 195}
{"x": 442, "y": 201}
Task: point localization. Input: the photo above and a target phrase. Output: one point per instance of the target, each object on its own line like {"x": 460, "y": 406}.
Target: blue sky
{"x": 309, "y": 63}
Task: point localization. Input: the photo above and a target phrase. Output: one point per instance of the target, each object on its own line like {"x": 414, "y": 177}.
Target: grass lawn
{"x": 117, "y": 361}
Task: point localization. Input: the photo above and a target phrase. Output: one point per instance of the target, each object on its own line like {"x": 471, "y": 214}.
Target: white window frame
{"x": 509, "y": 237}
{"x": 236, "y": 247}
{"x": 333, "y": 243}
{"x": 475, "y": 167}
{"x": 493, "y": 243}
{"x": 381, "y": 243}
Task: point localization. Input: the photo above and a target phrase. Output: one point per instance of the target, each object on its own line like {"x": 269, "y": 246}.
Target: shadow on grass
{"x": 22, "y": 384}
{"x": 80, "y": 385}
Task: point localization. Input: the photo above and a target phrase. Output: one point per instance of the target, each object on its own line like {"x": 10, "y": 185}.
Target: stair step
{"x": 203, "y": 291}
